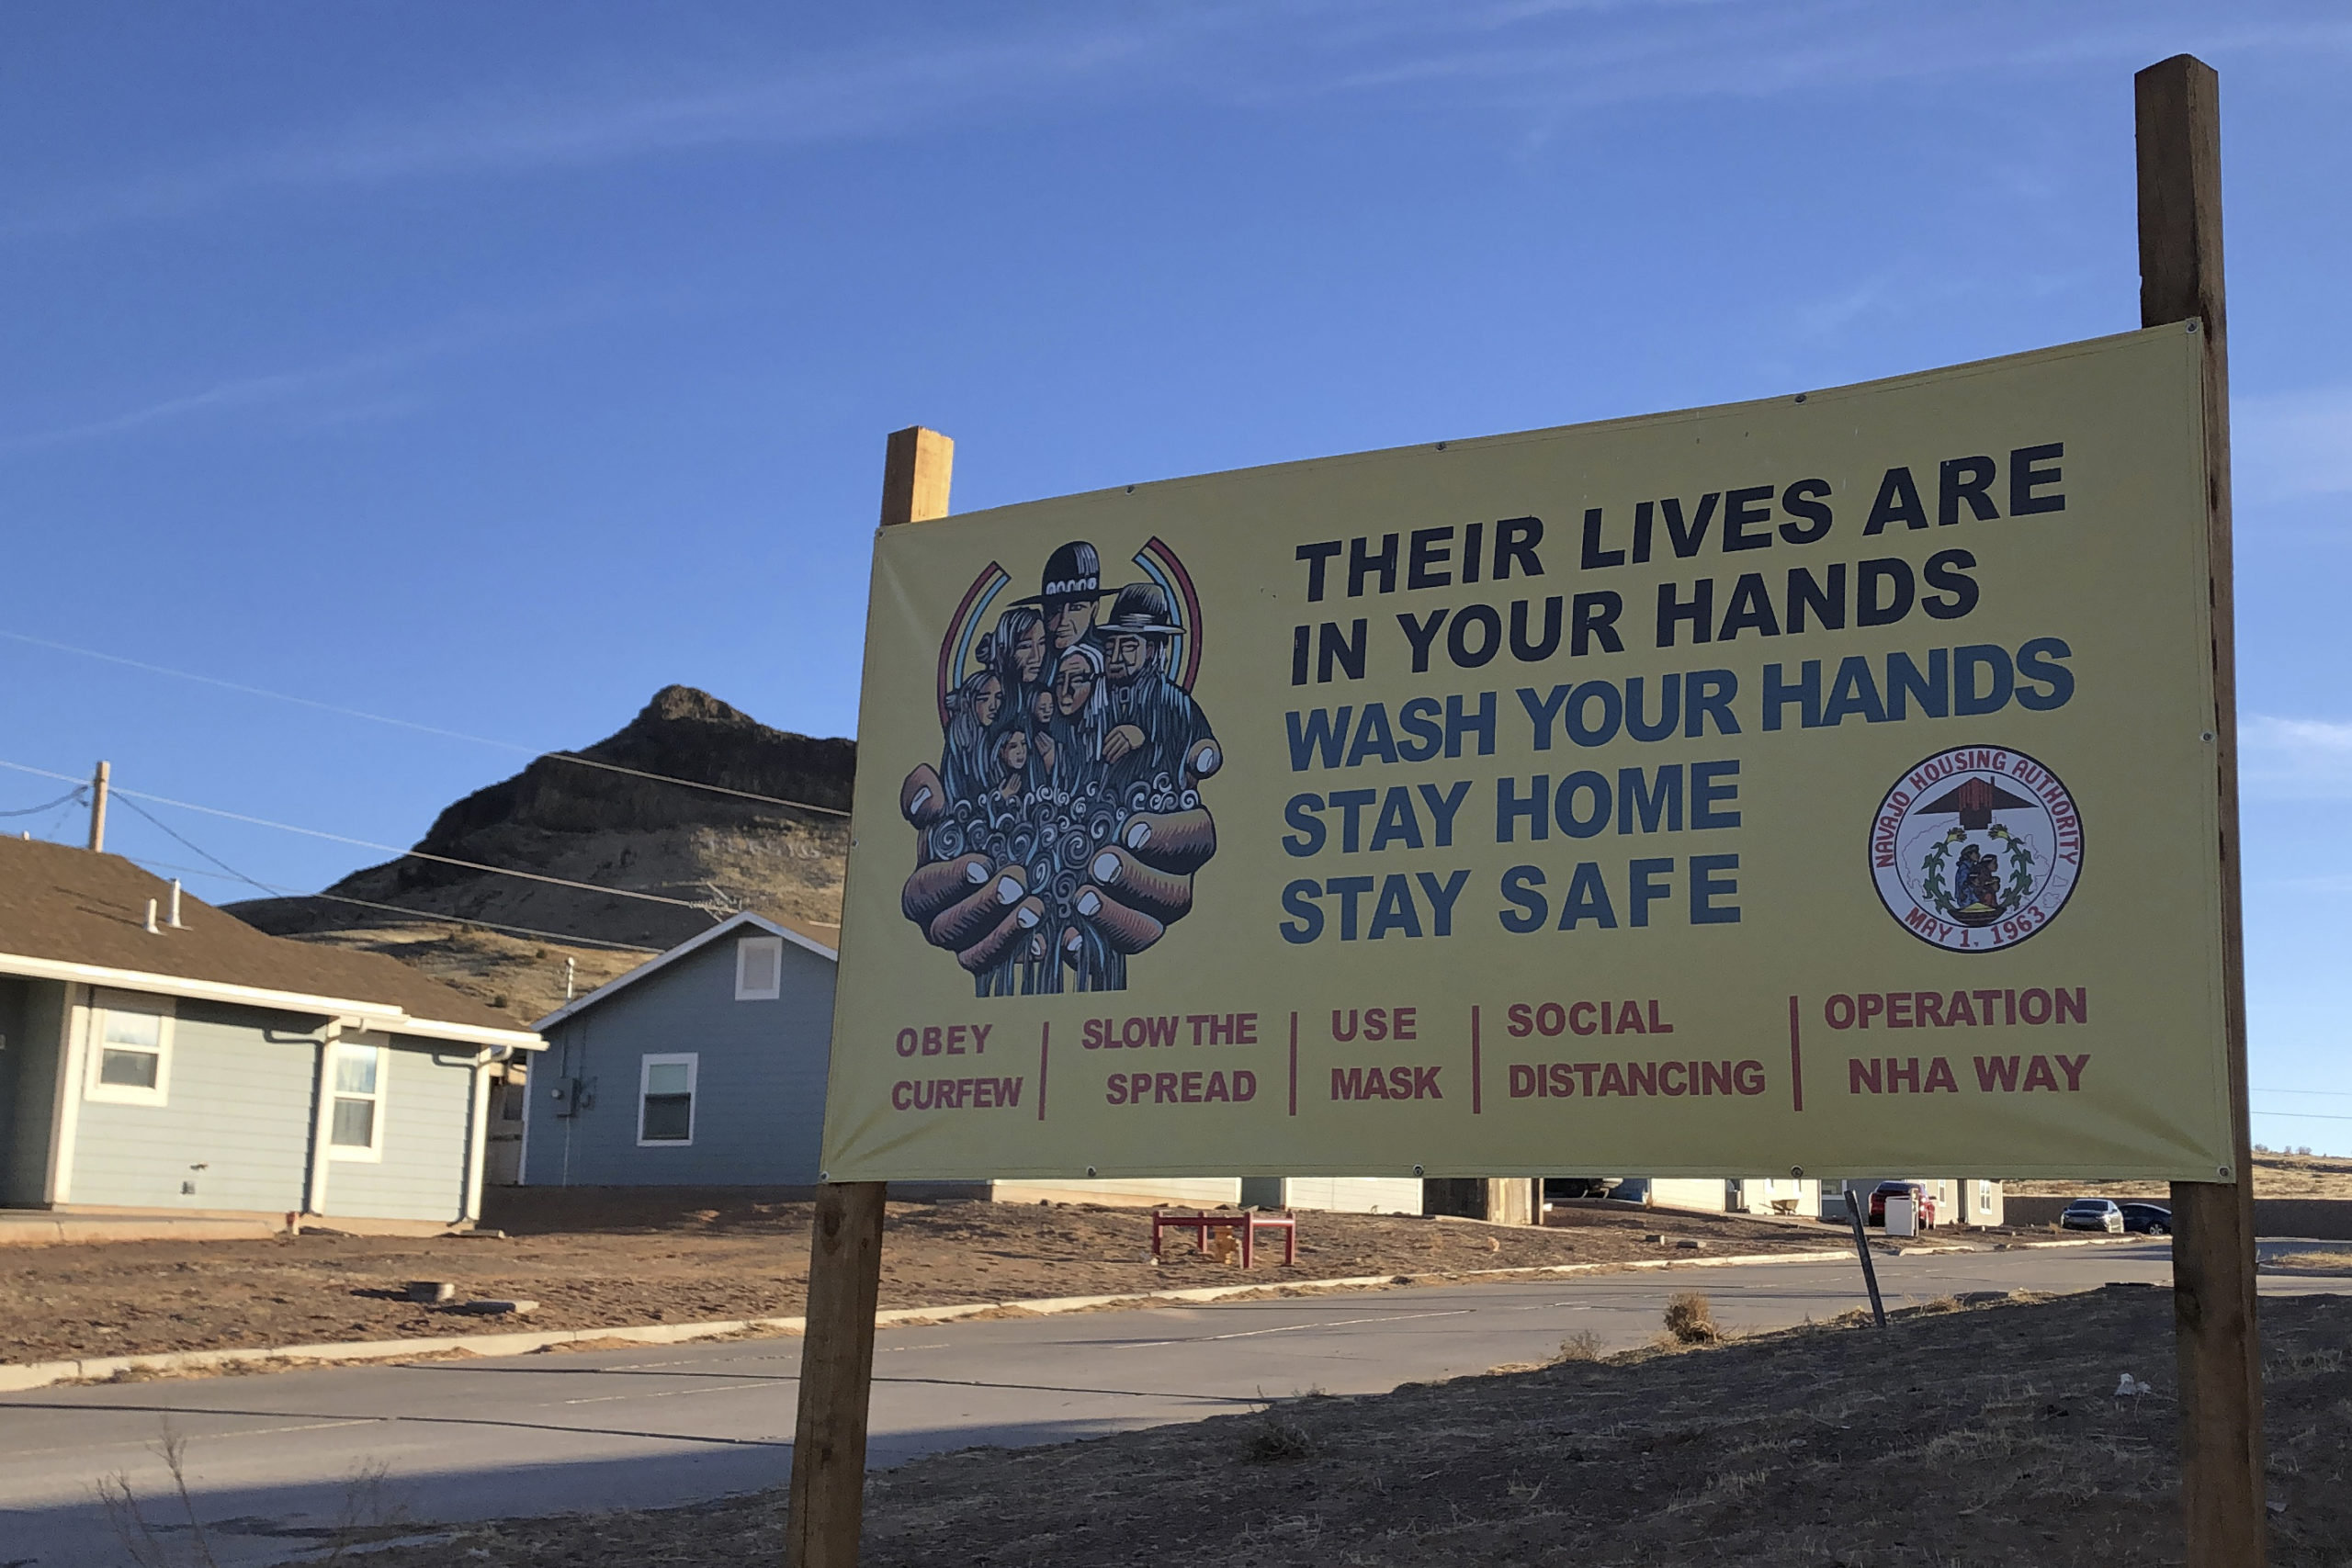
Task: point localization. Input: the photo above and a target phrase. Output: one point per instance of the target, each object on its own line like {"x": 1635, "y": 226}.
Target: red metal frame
{"x": 1248, "y": 1223}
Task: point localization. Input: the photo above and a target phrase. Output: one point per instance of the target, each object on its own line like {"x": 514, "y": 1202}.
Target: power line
{"x": 208, "y": 854}
{"x": 2327, "y": 1093}
{"x": 69, "y": 797}
{"x": 412, "y": 854}
{"x": 493, "y": 925}
{"x": 370, "y": 844}
{"x": 259, "y": 691}
{"x": 690, "y": 784}
{"x": 251, "y": 691}
{"x": 41, "y": 773}
{"x": 564, "y": 937}
{"x": 232, "y": 874}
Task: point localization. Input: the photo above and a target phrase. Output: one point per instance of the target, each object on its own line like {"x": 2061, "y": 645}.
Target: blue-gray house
{"x": 159, "y": 1056}
{"x": 704, "y": 1066}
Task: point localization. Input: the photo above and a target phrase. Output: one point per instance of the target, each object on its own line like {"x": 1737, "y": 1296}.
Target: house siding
{"x": 1706, "y": 1194}
{"x": 237, "y": 1126}
{"x": 427, "y": 1112}
{"x": 760, "y": 1079}
{"x": 1354, "y": 1194}
{"x": 1756, "y": 1194}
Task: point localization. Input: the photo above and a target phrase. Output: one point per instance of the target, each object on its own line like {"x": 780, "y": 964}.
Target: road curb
{"x": 17, "y": 1378}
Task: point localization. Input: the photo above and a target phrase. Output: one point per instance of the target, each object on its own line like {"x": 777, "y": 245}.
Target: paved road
{"x": 269, "y": 1457}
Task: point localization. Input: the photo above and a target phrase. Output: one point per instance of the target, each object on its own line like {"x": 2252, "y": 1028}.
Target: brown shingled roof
{"x": 68, "y": 906}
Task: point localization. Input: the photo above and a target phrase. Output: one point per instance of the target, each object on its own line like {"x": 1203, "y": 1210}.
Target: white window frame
{"x": 692, "y": 1062}
{"x": 744, "y": 947}
{"x": 374, "y": 1151}
{"x": 163, "y": 1010}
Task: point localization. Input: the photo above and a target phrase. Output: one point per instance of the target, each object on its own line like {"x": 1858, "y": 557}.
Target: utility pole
{"x": 100, "y": 784}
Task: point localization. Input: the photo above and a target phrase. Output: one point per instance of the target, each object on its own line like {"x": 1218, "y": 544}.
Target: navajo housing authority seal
{"x": 1976, "y": 848}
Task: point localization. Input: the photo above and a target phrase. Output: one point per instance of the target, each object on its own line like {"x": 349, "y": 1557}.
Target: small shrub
{"x": 1274, "y": 1439}
{"x": 2293, "y": 1364}
{"x": 1584, "y": 1346}
{"x": 1691, "y": 1320}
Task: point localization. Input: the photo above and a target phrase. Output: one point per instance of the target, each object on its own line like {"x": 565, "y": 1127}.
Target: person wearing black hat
{"x": 998, "y": 914}
{"x": 1068, "y": 592}
{"x": 1155, "y": 727}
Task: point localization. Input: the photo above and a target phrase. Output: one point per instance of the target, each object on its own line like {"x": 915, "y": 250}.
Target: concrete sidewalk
{"x": 641, "y": 1426}
{"x": 49, "y": 1227}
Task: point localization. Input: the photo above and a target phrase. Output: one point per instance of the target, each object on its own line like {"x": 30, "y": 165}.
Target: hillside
{"x": 2277, "y": 1174}
{"x": 713, "y": 853}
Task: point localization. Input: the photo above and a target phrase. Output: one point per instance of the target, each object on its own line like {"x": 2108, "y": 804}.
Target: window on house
{"x": 1984, "y": 1196}
{"x": 130, "y": 1049}
{"x": 666, "y": 1099}
{"x": 759, "y": 968}
{"x": 355, "y": 1120}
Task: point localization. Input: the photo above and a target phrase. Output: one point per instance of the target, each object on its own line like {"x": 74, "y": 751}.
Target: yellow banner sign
{"x": 1820, "y": 784}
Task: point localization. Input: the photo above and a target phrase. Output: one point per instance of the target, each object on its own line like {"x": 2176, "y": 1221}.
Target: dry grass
{"x": 2333, "y": 1261}
{"x": 2275, "y": 1176}
{"x": 653, "y": 1258}
{"x": 1963, "y": 1437}
{"x": 1691, "y": 1320}
{"x": 1276, "y": 1438}
{"x": 153, "y": 1533}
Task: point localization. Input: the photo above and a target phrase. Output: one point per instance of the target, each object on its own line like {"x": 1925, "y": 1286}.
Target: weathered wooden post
{"x": 2223, "y": 1492}
{"x": 828, "y": 1494}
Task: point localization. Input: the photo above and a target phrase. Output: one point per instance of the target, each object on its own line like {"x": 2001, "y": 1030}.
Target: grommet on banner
{"x": 1416, "y": 1170}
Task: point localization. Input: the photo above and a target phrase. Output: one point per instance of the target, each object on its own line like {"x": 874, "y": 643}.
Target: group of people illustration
{"x": 1071, "y": 725}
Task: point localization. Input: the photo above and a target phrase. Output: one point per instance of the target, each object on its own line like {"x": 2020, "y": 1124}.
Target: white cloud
{"x": 338, "y": 392}
{"x": 1530, "y": 58}
{"x": 2311, "y": 883}
{"x": 2290, "y": 445}
{"x": 2294, "y": 758}
{"x": 608, "y": 121}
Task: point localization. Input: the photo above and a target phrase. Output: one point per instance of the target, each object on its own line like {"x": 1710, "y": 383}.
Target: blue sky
{"x": 490, "y": 367}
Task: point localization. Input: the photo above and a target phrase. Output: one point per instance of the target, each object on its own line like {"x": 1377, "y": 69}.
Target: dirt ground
{"x": 1961, "y": 1437}
{"x": 2275, "y": 1176}
{"x": 745, "y": 1259}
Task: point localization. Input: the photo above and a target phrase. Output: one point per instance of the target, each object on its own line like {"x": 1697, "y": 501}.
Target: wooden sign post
{"x": 828, "y": 1495}
{"x": 2222, "y": 1494}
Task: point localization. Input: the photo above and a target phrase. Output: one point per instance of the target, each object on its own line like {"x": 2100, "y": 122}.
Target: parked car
{"x": 1923, "y": 1206}
{"x": 2094, "y": 1214}
{"x": 2147, "y": 1219}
